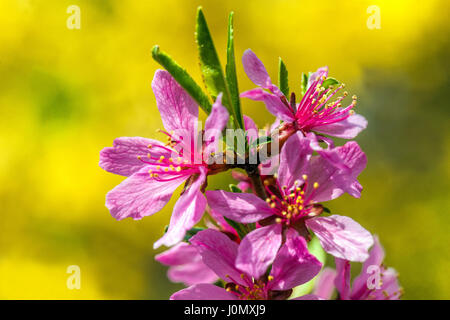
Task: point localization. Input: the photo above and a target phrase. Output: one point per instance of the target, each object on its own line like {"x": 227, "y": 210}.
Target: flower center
{"x": 253, "y": 290}
{"x": 168, "y": 168}
{"x": 291, "y": 205}
{"x": 317, "y": 108}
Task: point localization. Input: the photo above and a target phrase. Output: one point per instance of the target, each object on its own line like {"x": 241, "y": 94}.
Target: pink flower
{"x": 303, "y": 180}
{"x": 315, "y": 112}
{"x": 365, "y": 286}
{"x": 292, "y": 266}
{"x": 186, "y": 265}
{"x": 154, "y": 169}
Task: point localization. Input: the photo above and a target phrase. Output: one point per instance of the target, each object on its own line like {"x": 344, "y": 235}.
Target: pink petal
{"x": 122, "y": 158}
{"x": 203, "y": 291}
{"x": 325, "y": 284}
{"x": 179, "y": 112}
{"x": 376, "y": 257}
{"x": 214, "y": 125}
{"x": 390, "y": 288}
{"x": 192, "y": 273}
{"x": 187, "y": 212}
{"x": 342, "y": 237}
{"x": 255, "y": 69}
{"x": 186, "y": 265}
{"x": 258, "y": 249}
{"x": 273, "y": 103}
{"x": 140, "y": 195}
{"x": 321, "y": 171}
{"x": 251, "y": 129}
{"x": 182, "y": 253}
{"x": 294, "y": 158}
{"x": 346, "y": 129}
{"x": 294, "y": 265}
{"x": 240, "y": 207}
{"x": 355, "y": 160}
{"x": 342, "y": 281}
{"x": 219, "y": 254}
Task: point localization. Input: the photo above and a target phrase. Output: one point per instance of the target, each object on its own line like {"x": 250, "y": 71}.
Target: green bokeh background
{"x": 65, "y": 94}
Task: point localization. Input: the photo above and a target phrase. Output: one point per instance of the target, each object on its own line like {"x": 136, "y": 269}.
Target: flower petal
{"x": 218, "y": 253}
{"x": 203, "y": 291}
{"x": 258, "y": 249}
{"x": 294, "y": 265}
{"x": 347, "y": 129}
{"x": 182, "y": 253}
{"x": 325, "y": 284}
{"x": 122, "y": 157}
{"x": 376, "y": 257}
{"x": 342, "y": 237}
{"x": 214, "y": 125}
{"x": 294, "y": 158}
{"x": 355, "y": 160}
{"x": 179, "y": 112}
{"x": 251, "y": 129}
{"x": 255, "y": 69}
{"x": 186, "y": 213}
{"x": 240, "y": 207}
{"x": 321, "y": 171}
{"x": 273, "y": 103}
{"x": 342, "y": 281}
{"x": 192, "y": 273}
{"x": 186, "y": 265}
{"x": 140, "y": 195}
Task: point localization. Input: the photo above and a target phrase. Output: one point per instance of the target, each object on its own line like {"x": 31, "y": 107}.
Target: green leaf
{"x": 239, "y": 227}
{"x": 192, "y": 232}
{"x": 183, "y": 78}
{"x": 234, "y": 188}
{"x": 283, "y": 78}
{"x": 210, "y": 65}
{"x": 304, "y": 83}
{"x": 231, "y": 77}
{"x": 329, "y": 82}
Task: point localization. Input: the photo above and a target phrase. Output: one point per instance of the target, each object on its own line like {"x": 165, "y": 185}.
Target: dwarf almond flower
{"x": 155, "y": 169}
{"x": 317, "y": 111}
{"x": 292, "y": 266}
{"x": 293, "y": 200}
{"x": 364, "y": 286}
{"x": 186, "y": 265}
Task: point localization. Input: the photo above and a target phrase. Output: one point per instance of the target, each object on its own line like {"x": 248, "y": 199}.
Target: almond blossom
{"x": 292, "y": 266}
{"x": 315, "y": 112}
{"x": 154, "y": 170}
{"x": 302, "y": 182}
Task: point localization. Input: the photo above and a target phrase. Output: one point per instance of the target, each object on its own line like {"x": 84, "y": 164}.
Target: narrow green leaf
{"x": 304, "y": 83}
{"x": 210, "y": 65}
{"x": 283, "y": 78}
{"x": 231, "y": 77}
{"x": 183, "y": 78}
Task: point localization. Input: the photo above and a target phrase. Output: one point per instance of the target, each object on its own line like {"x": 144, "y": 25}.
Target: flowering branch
{"x": 260, "y": 240}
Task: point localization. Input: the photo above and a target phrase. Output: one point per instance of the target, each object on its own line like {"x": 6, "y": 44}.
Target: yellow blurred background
{"x": 65, "y": 94}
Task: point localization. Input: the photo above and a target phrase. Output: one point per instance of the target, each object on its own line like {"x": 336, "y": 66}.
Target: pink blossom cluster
{"x": 251, "y": 243}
